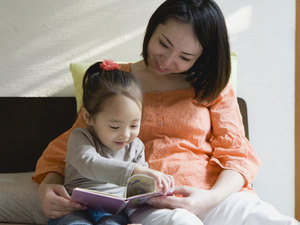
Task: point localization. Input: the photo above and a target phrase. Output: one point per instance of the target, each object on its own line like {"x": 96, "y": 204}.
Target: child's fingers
{"x": 172, "y": 182}
{"x": 165, "y": 184}
{"x": 159, "y": 182}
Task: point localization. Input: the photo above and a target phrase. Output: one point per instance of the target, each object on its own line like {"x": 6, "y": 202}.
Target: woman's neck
{"x": 151, "y": 82}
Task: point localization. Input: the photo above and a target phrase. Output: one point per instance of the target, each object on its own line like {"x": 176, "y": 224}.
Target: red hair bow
{"x": 109, "y": 65}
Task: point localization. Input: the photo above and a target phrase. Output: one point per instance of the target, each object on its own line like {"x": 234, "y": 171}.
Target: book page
{"x": 140, "y": 184}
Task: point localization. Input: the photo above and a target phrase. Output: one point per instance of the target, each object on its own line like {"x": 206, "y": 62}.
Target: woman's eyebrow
{"x": 167, "y": 39}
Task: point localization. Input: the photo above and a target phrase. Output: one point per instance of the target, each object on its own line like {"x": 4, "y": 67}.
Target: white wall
{"x": 40, "y": 38}
{"x": 263, "y": 35}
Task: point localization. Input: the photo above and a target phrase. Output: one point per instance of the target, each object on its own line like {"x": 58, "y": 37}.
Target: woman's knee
{"x": 153, "y": 216}
{"x": 183, "y": 216}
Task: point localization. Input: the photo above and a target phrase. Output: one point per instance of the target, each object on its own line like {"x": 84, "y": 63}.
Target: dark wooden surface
{"x": 27, "y": 125}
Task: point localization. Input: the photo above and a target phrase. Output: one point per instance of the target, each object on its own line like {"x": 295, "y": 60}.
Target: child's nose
{"x": 125, "y": 133}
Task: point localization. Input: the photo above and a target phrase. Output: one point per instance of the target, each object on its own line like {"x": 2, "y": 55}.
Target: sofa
{"x": 28, "y": 124}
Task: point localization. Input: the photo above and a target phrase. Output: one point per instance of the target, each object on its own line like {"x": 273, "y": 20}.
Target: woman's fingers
{"x": 174, "y": 201}
{"x": 184, "y": 191}
{"x": 170, "y": 202}
{"x": 56, "y": 201}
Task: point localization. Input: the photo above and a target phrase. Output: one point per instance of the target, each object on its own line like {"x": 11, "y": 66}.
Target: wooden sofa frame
{"x": 28, "y": 124}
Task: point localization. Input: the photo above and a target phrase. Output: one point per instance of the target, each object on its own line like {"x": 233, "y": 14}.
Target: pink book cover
{"x": 139, "y": 189}
{"x": 99, "y": 201}
{"x": 109, "y": 203}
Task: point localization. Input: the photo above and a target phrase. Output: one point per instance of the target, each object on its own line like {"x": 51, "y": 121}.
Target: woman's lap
{"x": 149, "y": 215}
{"x": 246, "y": 208}
{"x": 239, "y": 208}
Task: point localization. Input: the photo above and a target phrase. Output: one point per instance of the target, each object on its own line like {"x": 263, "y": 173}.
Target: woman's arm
{"x": 199, "y": 201}
{"x": 55, "y": 200}
{"x": 231, "y": 149}
{"x": 53, "y": 157}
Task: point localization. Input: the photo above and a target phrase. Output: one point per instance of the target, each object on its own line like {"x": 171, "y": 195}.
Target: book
{"x": 138, "y": 190}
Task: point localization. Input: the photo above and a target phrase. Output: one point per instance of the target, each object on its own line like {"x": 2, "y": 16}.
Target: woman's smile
{"x": 160, "y": 68}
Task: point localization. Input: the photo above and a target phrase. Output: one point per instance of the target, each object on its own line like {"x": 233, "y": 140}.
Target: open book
{"x": 139, "y": 189}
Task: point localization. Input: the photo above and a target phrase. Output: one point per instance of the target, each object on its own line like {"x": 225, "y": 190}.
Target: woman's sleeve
{"x": 231, "y": 149}
{"x": 53, "y": 157}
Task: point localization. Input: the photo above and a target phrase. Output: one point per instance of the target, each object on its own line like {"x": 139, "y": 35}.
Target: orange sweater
{"x": 182, "y": 138}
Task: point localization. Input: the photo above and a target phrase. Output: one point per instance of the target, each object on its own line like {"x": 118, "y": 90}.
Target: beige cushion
{"x": 19, "y": 200}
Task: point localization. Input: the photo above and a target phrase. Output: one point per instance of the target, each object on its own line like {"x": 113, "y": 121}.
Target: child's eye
{"x": 163, "y": 44}
{"x": 115, "y": 128}
{"x": 134, "y": 126}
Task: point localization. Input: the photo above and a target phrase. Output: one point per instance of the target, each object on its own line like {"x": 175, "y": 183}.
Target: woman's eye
{"x": 114, "y": 128}
{"x": 163, "y": 44}
{"x": 185, "y": 59}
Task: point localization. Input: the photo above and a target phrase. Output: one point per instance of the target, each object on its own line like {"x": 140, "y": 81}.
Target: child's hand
{"x": 164, "y": 181}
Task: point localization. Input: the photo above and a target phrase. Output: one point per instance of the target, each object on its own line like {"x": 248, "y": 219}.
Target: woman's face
{"x": 173, "y": 48}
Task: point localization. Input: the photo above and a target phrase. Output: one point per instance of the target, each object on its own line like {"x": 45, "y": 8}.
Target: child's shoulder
{"x": 137, "y": 143}
{"x": 81, "y": 131}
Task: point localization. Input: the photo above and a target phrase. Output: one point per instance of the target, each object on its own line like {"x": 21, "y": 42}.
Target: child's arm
{"x": 164, "y": 181}
{"x": 83, "y": 156}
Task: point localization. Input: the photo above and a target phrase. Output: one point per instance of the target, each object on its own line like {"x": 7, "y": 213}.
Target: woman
{"x": 191, "y": 127}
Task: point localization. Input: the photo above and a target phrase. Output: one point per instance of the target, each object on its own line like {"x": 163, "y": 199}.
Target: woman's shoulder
{"x": 226, "y": 95}
{"x": 125, "y": 66}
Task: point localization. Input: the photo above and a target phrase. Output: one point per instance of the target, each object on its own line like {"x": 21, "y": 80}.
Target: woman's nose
{"x": 168, "y": 60}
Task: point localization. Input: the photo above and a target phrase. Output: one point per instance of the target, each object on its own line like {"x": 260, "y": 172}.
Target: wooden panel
{"x": 297, "y": 113}
{"x": 28, "y": 124}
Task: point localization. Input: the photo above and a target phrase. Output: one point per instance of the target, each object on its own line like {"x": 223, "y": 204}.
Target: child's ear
{"x": 86, "y": 116}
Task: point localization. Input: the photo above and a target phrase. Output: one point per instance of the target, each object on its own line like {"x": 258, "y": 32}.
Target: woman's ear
{"x": 86, "y": 116}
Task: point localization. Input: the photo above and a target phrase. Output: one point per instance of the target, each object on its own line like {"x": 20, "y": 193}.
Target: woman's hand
{"x": 164, "y": 182}
{"x": 195, "y": 200}
{"x": 199, "y": 201}
{"x": 54, "y": 198}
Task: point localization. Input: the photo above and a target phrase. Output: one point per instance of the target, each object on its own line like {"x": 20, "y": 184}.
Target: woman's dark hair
{"x": 210, "y": 73}
{"x": 99, "y": 85}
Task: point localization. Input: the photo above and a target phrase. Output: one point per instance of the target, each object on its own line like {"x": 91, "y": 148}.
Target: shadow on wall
{"x": 40, "y": 42}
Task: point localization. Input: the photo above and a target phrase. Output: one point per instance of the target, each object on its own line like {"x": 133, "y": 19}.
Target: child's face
{"x": 118, "y": 123}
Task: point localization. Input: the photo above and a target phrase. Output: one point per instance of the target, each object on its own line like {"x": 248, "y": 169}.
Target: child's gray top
{"x": 89, "y": 164}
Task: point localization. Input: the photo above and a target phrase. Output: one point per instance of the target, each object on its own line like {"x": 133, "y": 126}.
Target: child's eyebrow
{"x": 136, "y": 120}
{"x": 120, "y": 121}
{"x": 115, "y": 121}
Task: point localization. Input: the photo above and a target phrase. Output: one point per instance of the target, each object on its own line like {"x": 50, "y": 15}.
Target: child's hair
{"x": 99, "y": 84}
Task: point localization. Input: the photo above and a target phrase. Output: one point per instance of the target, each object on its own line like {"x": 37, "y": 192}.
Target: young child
{"x": 107, "y": 152}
